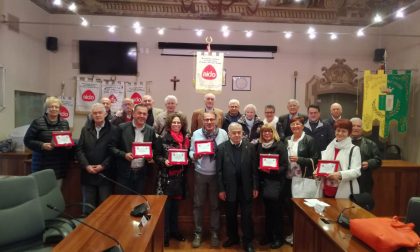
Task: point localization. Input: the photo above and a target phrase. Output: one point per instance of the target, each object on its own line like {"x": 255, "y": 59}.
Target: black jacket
{"x": 228, "y": 119}
{"x": 370, "y": 153}
{"x": 121, "y": 144}
{"x": 255, "y": 129}
{"x": 307, "y": 150}
{"x": 285, "y": 123}
{"x": 95, "y": 151}
{"x": 323, "y": 134}
{"x": 226, "y": 173}
{"x": 40, "y": 132}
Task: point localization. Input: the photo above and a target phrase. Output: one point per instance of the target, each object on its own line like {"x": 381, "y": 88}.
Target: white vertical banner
{"x": 67, "y": 109}
{"x": 135, "y": 90}
{"x": 88, "y": 93}
{"x": 209, "y": 72}
{"x": 115, "y": 92}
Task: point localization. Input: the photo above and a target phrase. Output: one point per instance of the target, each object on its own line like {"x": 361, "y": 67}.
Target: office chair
{"x": 413, "y": 213}
{"x": 21, "y": 218}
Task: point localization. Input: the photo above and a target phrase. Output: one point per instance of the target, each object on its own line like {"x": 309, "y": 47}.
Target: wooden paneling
{"x": 13, "y": 163}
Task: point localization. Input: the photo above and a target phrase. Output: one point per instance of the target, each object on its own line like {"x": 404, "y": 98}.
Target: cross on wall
{"x": 174, "y": 80}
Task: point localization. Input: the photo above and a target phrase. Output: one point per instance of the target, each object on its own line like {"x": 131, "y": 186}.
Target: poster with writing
{"x": 135, "y": 90}
{"x": 88, "y": 93}
{"x": 209, "y": 72}
{"x": 115, "y": 92}
{"x": 67, "y": 109}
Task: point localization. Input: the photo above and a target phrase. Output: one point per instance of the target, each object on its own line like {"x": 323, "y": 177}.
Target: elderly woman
{"x": 38, "y": 138}
{"x": 273, "y": 184}
{"x": 171, "y": 177}
{"x": 303, "y": 156}
{"x": 251, "y": 123}
{"x": 94, "y": 157}
{"x": 337, "y": 184}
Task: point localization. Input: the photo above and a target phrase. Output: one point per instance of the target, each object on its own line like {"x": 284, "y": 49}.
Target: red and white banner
{"x": 209, "y": 72}
{"x": 67, "y": 109}
{"x": 88, "y": 93}
{"x": 115, "y": 92}
{"x": 135, "y": 90}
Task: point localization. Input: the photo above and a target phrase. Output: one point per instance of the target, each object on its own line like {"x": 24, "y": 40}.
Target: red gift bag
{"x": 385, "y": 234}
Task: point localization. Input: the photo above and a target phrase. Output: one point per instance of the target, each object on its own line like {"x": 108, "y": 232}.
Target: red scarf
{"x": 178, "y": 137}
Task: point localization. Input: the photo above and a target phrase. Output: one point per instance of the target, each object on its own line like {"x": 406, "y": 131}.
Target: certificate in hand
{"x": 178, "y": 156}
{"x": 62, "y": 138}
{"x": 269, "y": 162}
{"x": 142, "y": 150}
{"x": 204, "y": 147}
{"x": 326, "y": 167}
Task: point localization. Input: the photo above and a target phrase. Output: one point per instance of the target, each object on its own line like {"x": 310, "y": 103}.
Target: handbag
{"x": 384, "y": 234}
{"x": 271, "y": 189}
{"x": 305, "y": 187}
{"x": 364, "y": 199}
{"x": 175, "y": 186}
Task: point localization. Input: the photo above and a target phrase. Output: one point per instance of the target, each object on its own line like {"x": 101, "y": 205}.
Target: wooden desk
{"x": 396, "y": 181}
{"x": 13, "y": 163}
{"x": 312, "y": 234}
{"x": 113, "y": 217}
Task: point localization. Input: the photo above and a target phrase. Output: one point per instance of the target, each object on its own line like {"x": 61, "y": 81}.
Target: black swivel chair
{"x": 413, "y": 213}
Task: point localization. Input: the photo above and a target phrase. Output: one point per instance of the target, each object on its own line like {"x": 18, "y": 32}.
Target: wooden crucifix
{"x": 174, "y": 80}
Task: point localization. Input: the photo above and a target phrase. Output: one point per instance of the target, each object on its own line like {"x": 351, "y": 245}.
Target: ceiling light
{"x": 312, "y": 35}
{"x": 226, "y": 33}
{"x": 199, "y": 32}
{"x": 333, "y": 36}
{"x": 72, "y": 7}
{"x": 138, "y": 30}
{"x": 248, "y": 34}
{"x": 400, "y": 13}
{"x": 288, "y": 34}
{"x": 111, "y": 28}
{"x": 136, "y": 24}
{"x": 161, "y": 31}
{"x": 298, "y": 1}
{"x": 377, "y": 18}
{"x": 84, "y": 22}
{"x": 311, "y": 30}
{"x": 360, "y": 32}
{"x": 224, "y": 28}
{"x": 57, "y": 3}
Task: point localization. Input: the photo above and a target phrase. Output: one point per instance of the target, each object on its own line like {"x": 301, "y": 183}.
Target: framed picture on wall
{"x": 241, "y": 83}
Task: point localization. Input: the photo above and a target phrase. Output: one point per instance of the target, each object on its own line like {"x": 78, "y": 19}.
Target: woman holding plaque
{"x": 343, "y": 182}
{"x": 273, "y": 163}
{"x": 303, "y": 156}
{"x": 175, "y": 143}
{"x": 38, "y": 138}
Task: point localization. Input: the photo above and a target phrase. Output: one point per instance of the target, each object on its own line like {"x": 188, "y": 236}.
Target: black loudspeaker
{"x": 52, "y": 44}
{"x": 379, "y": 55}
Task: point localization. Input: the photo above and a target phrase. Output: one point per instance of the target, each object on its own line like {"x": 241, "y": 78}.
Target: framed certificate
{"x": 326, "y": 167}
{"x": 178, "y": 156}
{"x": 62, "y": 138}
{"x": 142, "y": 150}
{"x": 269, "y": 162}
{"x": 205, "y": 147}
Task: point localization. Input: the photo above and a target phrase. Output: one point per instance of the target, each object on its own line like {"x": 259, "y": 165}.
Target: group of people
{"x": 231, "y": 173}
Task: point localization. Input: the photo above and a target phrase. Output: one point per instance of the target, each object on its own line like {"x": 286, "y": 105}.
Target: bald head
{"x": 336, "y": 110}
{"x": 147, "y": 101}
{"x": 209, "y": 100}
{"x": 356, "y": 127}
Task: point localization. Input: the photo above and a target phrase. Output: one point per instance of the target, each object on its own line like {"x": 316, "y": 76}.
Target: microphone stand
{"x": 139, "y": 210}
{"x": 343, "y": 220}
{"x": 118, "y": 248}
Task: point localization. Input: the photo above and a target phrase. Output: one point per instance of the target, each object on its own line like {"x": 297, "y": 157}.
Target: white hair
{"x": 336, "y": 104}
{"x": 234, "y": 126}
{"x": 293, "y": 101}
{"x": 50, "y": 100}
{"x": 250, "y": 106}
{"x": 209, "y": 94}
{"x": 234, "y": 101}
{"x": 171, "y": 98}
{"x": 98, "y": 105}
{"x": 356, "y": 119}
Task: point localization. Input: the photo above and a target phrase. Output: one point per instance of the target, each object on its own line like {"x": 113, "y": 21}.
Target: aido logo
{"x": 64, "y": 113}
{"x": 113, "y": 98}
{"x": 136, "y": 97}
{"x": 209, "y": 73}
{"x": 88, "y": 95}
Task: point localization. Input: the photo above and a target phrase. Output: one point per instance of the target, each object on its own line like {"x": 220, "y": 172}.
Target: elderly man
{"x": 335, "y": 113}
{"x": 197, "y": 116}
{"x": 107, "y": 104}
{"x": 94, "y": 157}
{"x": 238, "y": 184}
{"x": 232, "y": 115}
{"x": 152, "y": 112}
{"x": 170, "y": 103}
{"x": 126, "y": 114}
{"x": 284, "y": 120}
{"x": 314, "y": 127}
{"x": 132, "y": 171}
{"x": 371, "y": 157}
{"x": 205, "y": 179}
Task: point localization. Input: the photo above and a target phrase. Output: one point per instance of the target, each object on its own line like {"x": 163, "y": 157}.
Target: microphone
{"x": 139, "y": 210}
{"x": 117, "y": 248}
{"x": 343, "y": 220}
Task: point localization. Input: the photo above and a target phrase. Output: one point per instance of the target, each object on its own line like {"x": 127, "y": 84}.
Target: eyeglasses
{"x": 269, "y": 112}
{"x": 209, "y": 119}
{"x": 295, "y": 124}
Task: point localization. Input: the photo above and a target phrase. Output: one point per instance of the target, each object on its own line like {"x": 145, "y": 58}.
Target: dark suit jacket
{"x": 226, "y": 170}
{"x": 95, "y": 151}
{"x": 307, "y": 150}
{"x": 122, "y": 143}
{"x": 370, "y": 153}
{"x": 285, "y": 123}
{"x": 197, "y": 119}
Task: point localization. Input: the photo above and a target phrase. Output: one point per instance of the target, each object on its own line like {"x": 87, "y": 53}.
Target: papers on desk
{"x": 314, "y": 202}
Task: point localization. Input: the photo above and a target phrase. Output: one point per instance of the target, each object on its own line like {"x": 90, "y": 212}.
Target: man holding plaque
{"x": 236, "y": 164}
{"x": 140, "y": 137}
{"x": 202, "y": 151}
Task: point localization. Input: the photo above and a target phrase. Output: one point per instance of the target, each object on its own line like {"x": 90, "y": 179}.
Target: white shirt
{"x": 139, "y": 138}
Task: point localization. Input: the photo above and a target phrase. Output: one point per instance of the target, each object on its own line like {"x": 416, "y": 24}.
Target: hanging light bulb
{"x": 112, "y": 28}
{"x": 377, "y": 18}
{"x": 333, "y": 36}
{"x": 84, "y": 22}
{"x": 248, "y": 34}
{"x": 72, "y": 7}
{"x": 57, "y": 3}
{"x": 199, "y": 32}
{"x": 161, "y": 31}
{"x": 288, "y": 34}
{"x": 400, "y": 13}
{"x": 310, "y": 30}
{"x": 360, "y": 32}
